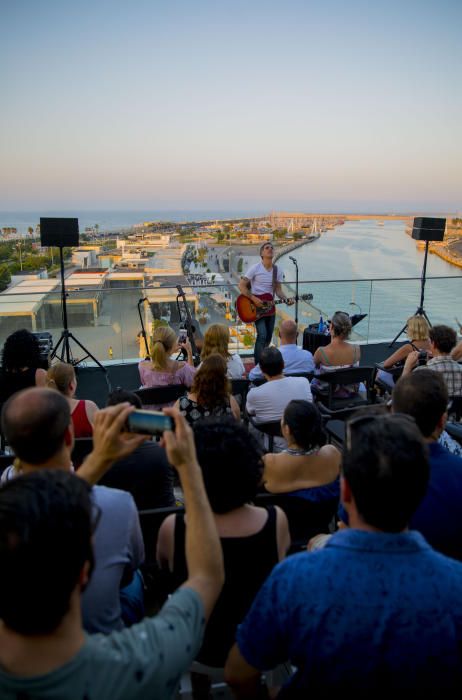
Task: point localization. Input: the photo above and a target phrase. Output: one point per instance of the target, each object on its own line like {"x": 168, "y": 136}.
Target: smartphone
{"x": 183, "y": 336}
{"x": 149, "y": 422}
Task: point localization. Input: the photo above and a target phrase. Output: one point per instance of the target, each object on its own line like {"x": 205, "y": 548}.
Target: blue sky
{"x": 326, "y": 105}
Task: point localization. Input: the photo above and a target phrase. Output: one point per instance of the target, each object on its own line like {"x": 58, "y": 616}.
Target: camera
{"x": 149, "y": 422}
{"x": 422, "y": 359}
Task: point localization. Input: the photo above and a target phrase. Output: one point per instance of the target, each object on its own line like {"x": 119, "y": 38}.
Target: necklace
{"x": 298, "y": 452}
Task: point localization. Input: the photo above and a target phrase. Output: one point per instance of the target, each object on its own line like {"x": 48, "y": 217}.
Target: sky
{"x": 182, "y": 104}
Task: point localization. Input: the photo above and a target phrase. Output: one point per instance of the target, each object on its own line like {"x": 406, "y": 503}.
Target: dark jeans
{"x": 265, "y": 328}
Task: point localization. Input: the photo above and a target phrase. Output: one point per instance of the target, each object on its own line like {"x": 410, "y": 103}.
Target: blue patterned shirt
{"x": 370, "y": 611}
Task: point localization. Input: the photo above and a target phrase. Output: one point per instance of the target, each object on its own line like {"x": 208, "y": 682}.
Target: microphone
{"x": 293, "y": 259}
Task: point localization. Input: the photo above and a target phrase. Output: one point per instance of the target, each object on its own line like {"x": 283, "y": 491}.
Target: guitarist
{"x": 263, "y": 278}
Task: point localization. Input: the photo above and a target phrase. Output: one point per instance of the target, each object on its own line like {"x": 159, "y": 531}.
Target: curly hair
{"x": 231, "y": 463}
{"x": 216, "y": 339}
{"x": 210, "y": 384}
{"x": 21, "y": 349}
{"x": 161, "y": 346}
{"x": 341, "y": 324}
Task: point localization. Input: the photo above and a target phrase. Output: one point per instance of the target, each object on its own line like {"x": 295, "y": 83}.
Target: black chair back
{"x": 306, "y": 518}
{"x": 150, "y": 521}
{"x": 82, "y": 447}
{"x": 240, "y": 387}
{"x": 342, "y": 377}
{"x": 272, "y": 429}
{"x": 158, "y": 395}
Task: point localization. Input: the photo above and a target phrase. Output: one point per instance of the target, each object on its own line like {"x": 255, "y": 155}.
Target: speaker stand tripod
{"x": 63, "y": 345}
{"x": 420, "y": 309}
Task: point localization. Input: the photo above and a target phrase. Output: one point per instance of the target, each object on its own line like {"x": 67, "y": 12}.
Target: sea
{"x": 360, "y": 267}
{"x": 382, "y": 267}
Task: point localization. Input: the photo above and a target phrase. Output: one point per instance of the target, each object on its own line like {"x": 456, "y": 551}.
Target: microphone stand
{"x": 143, "y": 331}
{"x": 188, "y": 324}
{"x": 296, "y": 290}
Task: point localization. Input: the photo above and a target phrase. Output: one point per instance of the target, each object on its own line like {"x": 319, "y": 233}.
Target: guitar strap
{"x": 275, "y": 279}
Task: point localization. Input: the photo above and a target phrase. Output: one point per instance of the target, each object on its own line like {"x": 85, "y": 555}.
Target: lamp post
{"x": 18, "y": 246}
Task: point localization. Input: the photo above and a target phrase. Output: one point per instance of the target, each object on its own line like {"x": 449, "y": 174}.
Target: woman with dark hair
{"x": 253, "y": 539}
{"x": 210, "y": 393}
{"x": 21, "y": 364}
{"x": 306, "y": 473}
{"x": 307, "y": 463}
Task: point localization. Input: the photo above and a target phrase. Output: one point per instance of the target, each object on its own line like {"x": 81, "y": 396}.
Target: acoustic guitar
{"x": 248, "y": 312}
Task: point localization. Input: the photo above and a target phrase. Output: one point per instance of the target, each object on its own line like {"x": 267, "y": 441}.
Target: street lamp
{"x": 18, "y": 246}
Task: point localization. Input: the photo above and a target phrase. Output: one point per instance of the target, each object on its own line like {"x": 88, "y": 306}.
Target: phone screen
{"x": 149, "y": 422}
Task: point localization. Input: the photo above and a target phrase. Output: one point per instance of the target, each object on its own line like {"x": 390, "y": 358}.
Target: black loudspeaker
{"x": 59, "y": 232}
{"x": 428, "y": 229}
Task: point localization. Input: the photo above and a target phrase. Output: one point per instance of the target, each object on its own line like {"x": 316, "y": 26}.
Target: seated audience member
{"x": 456, "y": 353}
{"x": 46, "y": 524}
{"x": 216, "y": 340}
{"x": 61, "y": 376}
{"x": 417, "y": 330}
{"x": 253, "y": 539}
{"x": 38, "y": 426}
{"x": 339, "y": 354}
{"x": 424, "y": 396}
{"x": 443, "y": 340}
{"x": 210, "y": 393}
{"x": 305, "y": 469}
{"x": 161, "y": 370}
{"x": 296, "y": 360}
{"x": 268, "y": 401}
{"x": 145, "y": 473}
{"x": 21, "y": 364}
{"x": 377, "y": 610}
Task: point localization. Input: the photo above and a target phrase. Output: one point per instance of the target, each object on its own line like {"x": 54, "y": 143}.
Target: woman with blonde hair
{"x": 210, "y": 393}
{"x": 216, "y": 339}
{"x": 417, "y": 330}
{"x": 61, "y": 376}
{"x": 160, "y": 369}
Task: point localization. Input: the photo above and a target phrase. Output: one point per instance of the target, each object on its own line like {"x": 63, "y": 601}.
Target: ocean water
{"x": 362, "y": 250}
{"x": 113, "y": 220}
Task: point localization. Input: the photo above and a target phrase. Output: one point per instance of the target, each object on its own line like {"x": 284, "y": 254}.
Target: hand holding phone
{"x": 182, "y": 337}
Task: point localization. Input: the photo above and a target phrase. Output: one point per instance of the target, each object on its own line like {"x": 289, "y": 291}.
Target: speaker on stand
{"x": 424, "y": 229}
{"x": 64, "y": 233}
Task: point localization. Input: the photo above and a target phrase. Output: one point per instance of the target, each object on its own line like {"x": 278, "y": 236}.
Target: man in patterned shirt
{"x": 377, "y": 609}
{"x": 442, "y": 339}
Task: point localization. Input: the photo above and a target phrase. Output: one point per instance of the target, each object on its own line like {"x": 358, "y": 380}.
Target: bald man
{"x": 37, "y": 425}
{"x": 296, "y": 359}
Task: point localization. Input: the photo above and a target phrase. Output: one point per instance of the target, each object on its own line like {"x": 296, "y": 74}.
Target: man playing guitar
{"x": 263, "y": 279}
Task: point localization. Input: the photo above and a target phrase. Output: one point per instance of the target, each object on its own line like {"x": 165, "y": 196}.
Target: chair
{"x": 455, "y": 408}
{"x": 159, "y": 395}
{"x": 306, "y": 518}
{"x": 156, "y": 580}
{"x": 335, "y": 422}
{"x": 272, "y": 429}
{"x": 327, "y": 401}
{"x": 82, "y": 447}
{"x": 240, "y": 388}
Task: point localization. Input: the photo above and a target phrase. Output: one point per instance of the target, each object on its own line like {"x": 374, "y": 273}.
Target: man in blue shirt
{"x": 296, "y": 359}
{"x": 424, "y": 396}
{"x": 377, "y": 609}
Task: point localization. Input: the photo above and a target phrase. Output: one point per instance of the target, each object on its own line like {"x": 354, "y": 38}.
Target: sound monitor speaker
{"x": 428, "y": 229}
{"x": 59, "y": 232}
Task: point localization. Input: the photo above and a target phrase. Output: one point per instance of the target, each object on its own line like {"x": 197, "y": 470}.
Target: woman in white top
{"x": 216, "y": 340}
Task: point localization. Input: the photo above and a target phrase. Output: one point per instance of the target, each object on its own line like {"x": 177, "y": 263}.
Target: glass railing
{"x": 106, "y": 320}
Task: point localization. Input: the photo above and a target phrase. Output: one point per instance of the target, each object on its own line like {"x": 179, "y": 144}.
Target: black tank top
{"x": 248, "y": 562}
